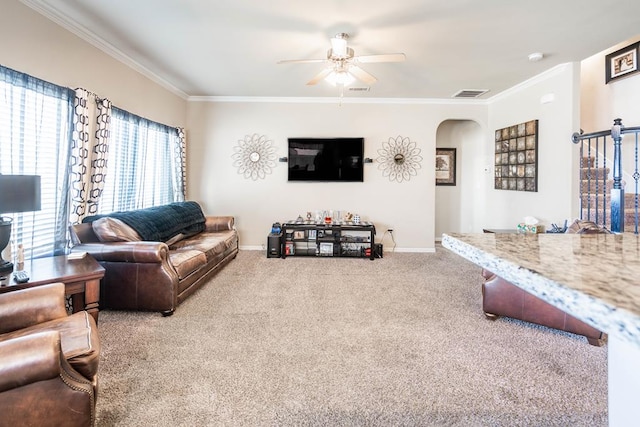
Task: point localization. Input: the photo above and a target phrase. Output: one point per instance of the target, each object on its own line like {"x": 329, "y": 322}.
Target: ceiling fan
{"x": 342, "y": 63}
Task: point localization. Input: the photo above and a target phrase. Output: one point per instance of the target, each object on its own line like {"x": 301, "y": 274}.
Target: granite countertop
{"x": 594, "y": 277}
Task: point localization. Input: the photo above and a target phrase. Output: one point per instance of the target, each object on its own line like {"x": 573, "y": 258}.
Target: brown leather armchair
{"x": 48, "y": 359}
{"x": 38, "y": 387}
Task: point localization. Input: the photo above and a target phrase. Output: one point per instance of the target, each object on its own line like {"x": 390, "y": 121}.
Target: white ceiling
{"x": 230, "y": 47}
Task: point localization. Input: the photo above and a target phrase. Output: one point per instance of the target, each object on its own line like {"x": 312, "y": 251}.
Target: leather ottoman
{"x": 502, "y": 298}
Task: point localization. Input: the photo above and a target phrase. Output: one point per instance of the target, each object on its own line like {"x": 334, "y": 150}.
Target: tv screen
{"x": 326, "y": 159}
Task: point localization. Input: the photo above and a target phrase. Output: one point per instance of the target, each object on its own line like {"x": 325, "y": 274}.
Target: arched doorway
{"x": 458, "y": 207}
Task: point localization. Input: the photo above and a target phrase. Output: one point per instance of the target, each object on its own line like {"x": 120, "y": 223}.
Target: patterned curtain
{"x": 182, "y": 162}
{"x": 88, "y": 155}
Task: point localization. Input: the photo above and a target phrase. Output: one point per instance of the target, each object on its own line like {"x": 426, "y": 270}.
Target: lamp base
{"x": 5, "y": 266}
{"x": 5, "y": 235}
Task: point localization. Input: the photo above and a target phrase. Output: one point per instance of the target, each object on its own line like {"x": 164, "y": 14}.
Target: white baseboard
{"x": 412, "y": 250}
{"x": 252, "y": 248}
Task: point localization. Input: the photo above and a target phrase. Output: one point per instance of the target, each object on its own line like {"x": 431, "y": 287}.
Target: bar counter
{"x": 594, "y": 277}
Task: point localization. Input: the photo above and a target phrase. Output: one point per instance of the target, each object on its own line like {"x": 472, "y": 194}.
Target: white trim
{"x": 252, "y": 248}
{"x": 81, "y": 31}
{"x": 551, "y": 72}
{"x": 333, "y": 100}
{"x": 411, "y": 250}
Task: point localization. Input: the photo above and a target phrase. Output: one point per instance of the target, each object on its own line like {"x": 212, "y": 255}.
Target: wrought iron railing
{"x": 602, "y": 193}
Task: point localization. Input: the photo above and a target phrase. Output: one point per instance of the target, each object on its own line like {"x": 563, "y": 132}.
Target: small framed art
{"x": 445, "y": 166}
{"x": 622, "y": 62}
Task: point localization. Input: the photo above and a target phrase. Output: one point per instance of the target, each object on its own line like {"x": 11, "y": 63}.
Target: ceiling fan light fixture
{"x": 340, "y": 78}
{"x": 339, "y": 46}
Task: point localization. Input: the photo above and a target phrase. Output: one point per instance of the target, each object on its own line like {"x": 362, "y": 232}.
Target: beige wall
{"x": 407, "y": 207}
{"x": 601, "y": 103}
{"x": 35, "y": 45}
{"x": 411, "y": 208}
{"x": 556, "y": 199}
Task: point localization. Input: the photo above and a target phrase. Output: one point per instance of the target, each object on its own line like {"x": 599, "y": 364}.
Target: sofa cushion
{"x": 186, "y": 261}
{"x": 113, "y": 230}
{"x": 210, "y": 244}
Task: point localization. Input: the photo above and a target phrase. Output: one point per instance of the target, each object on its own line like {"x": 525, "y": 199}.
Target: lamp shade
{"x": 19, "y": 193}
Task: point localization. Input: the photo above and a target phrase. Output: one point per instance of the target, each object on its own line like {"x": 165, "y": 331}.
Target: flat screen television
{"x": 326, "y": 159}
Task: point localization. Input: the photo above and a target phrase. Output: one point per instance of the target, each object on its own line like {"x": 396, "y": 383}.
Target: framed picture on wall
{"x": 516, "y": 157}
{"x": 622, "y": 62}
{"x": 445, "y": 166}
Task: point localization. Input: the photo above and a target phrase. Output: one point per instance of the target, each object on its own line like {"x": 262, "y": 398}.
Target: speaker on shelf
{"x": 377, "y": 250}
{"x": 274, "y": 245}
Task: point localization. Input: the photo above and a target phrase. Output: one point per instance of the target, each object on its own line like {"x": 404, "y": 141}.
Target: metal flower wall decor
{"x": 399, "y": 159}
{"x": 254, "y": 156}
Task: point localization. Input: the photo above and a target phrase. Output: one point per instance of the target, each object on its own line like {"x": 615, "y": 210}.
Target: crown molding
{"x": 551, "y": 72}
{"x": 81, "y": 31}
{"x": 339, "y": 100}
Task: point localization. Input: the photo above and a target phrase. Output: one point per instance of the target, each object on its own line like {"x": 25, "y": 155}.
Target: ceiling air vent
{"x": 470, "y": 93}
{"x": 360, "y": 89}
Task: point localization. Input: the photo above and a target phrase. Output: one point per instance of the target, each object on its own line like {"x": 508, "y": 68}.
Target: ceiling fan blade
{"x": 362, "y": 75}
{"x": 318, "y": 77}
{"x": 300, "y": 61}
{"x": 387, "y": 57}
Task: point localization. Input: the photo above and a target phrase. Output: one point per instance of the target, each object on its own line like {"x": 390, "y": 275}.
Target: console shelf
{"x": 336, "y": 239}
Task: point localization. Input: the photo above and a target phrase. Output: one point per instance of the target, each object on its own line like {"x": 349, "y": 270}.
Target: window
{"x": 144, "y": 164}
{"x": 35, "y": 139}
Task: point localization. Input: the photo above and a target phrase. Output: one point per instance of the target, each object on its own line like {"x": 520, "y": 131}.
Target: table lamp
{"x": 18, "y": 193}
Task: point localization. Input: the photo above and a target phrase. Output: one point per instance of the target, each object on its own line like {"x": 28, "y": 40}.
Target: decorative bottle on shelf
{"x": 20, "y": 257}
{"x": 327, "y": 217}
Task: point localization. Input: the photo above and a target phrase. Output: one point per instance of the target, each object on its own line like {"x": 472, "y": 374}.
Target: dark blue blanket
{"x": 160, "y": 223}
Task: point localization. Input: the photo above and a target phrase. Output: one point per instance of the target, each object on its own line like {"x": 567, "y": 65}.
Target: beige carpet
{"x": 399, "y": 341}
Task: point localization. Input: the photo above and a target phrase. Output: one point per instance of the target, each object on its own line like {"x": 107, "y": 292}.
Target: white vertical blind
{"x": 35, "y": 135}
{"x": 143, "y": 166}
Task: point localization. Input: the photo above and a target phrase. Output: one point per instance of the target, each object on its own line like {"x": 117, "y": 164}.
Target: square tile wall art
{"x": 516, "y": 157}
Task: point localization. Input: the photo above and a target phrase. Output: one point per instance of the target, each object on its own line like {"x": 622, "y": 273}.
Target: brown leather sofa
{"x": 502, "y": 298}
{"x": 155, "y": 275}
{"x": 48, "y": 360}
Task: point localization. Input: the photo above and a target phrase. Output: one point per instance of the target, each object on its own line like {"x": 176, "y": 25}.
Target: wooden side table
{"x": 81, "y": 278}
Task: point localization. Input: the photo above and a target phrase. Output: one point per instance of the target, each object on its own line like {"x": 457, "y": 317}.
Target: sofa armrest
{"x": 29, "y": 359}
{"x": 31, "y": 306}
{"x": 140, "y": 252}
{"x": 38, "y": 386}
{"x": 219, "y": 223}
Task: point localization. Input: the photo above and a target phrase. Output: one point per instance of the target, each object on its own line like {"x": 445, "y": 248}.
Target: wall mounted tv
{"x": 326, "y": 159}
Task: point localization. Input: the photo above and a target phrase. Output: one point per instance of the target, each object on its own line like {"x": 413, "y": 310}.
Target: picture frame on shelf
{"x": 622, "y": 62}
{"x": 445, "y": 166}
